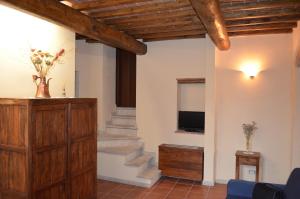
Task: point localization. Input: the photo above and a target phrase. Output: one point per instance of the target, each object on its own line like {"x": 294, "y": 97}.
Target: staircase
{"x": 121, "y": 156}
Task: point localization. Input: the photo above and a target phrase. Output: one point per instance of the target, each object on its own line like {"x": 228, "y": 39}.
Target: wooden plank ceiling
{"x": 153, "y": 20}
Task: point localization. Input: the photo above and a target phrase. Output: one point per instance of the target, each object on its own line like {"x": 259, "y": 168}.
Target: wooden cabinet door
{"x": 83, "y": 151}
{"x": 49, "y": 125}
{"x": 126, "y": 79}
{"x": 13, "y": 168}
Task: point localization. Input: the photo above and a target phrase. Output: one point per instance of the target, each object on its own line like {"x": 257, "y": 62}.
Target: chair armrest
{"x": 280, "y": 187}
{"x": 240, "y": 189}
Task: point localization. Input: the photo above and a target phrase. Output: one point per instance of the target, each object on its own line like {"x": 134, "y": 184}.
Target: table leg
{"x": 237, "y": 169}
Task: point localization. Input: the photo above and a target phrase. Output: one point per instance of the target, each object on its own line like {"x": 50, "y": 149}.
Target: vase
{"x": 248, "y": 144}
{"x": 42, "y": 90}
{"x": 248, "y": 151}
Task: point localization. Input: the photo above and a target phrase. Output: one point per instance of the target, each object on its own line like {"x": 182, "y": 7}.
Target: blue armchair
{"x": 240, "y": 189}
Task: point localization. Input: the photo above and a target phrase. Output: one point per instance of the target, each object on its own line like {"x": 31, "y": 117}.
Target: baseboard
{"x": 208, "y": 183}
{"x": 139, "y": 184}
{"x": 222, "y": 181}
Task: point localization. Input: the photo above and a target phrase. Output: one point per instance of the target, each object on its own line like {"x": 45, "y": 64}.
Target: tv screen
{"x": 191, "y": 121}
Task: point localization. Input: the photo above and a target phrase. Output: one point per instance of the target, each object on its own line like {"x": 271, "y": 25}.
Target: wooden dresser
{"x": 48, "y": 148}
{"x": 181, "y": 161}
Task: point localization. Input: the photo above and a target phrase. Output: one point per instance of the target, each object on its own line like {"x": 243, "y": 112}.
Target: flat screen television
{"x": 191, "y": 121}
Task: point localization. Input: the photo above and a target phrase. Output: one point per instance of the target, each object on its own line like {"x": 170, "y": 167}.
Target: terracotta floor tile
{"x": 177, "y": 194}
{"x": 161, "y": 190}
{"x": 183, "y": 187}
{"x": 201, "y": 189}
{"x": 155, "y": 196}
{"x": 184, "y": 181}
{"x": 197, "y": 194}
{"x": 136, "y": 194}
{"x": 166, "y": 188}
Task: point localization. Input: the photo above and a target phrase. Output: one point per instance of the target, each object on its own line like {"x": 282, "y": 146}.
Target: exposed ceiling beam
{"x": 162, "y": 6}
{"x": 231, "y": 7}
{"x": 181, "y": 12}
{"x": 174, "y": 38}
{"x": 171, "y": 34}
{"x": 80, "y": 23}
{"x": 263, "y": 27}
{"x": 260, "y": 32}
{"x": 89, "y": 5}
{"x": 161, "y": 23}
{"x": 166, "y": 29}
{"x": 210, "y": 14}
{"x": 262, "y": 20}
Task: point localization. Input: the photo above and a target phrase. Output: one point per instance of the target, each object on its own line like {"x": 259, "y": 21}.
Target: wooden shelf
{"x": 191, "y": 80}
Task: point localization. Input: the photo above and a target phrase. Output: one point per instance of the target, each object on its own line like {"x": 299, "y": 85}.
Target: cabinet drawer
{"x": 248, "y": 161}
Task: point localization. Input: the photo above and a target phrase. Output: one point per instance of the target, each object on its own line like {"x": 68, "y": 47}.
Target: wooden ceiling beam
{"x": 196, "y": 27}
{"x": 89, "y": 5}
{"x": 262, "y": 20}
{"x": 80, "y": 23}
{"x": 182, "y": 12}
{"x": 260, "y": 32}
{"x": 261, "y": 14}
{"x": 263, "y": 27}
{"x": 170, "y": 34}
{"x": 155, "y": 7}
{"x": 159, "y": 23}
{"x": 174, "y": 38}
{"x": 232, "y": 7}
{"x": 210, "y": 14}
{"x": 166, "y": 29}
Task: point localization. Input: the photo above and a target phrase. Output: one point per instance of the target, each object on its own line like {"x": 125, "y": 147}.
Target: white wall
{"x": 157, "y": 72}
{"x": 296, "y": 70}
{"x": 265, "y": 99}
{"x": 95, "y": 64}
{"x": 19, "y": 33}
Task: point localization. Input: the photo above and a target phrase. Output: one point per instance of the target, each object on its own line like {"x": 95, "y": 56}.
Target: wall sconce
{"x": 251, "y": 69}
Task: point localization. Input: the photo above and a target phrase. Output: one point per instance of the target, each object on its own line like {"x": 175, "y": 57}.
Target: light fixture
{"x": 251, "y": 68}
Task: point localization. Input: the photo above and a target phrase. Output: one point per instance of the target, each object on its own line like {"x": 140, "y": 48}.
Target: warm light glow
{"x": 251, "y": 68}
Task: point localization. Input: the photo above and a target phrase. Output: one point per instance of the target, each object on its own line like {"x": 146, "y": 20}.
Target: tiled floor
{"x": 166, "y": 188}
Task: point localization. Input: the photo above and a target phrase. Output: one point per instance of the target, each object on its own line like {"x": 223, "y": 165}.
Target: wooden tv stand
{"x": 181, "y": 161}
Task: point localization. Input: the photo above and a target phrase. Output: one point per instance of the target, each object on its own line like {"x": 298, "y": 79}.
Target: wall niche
{"x": 191, "y": 105}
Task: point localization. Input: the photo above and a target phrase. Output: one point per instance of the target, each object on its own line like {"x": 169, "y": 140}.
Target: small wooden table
{"x": 243, "y": 158}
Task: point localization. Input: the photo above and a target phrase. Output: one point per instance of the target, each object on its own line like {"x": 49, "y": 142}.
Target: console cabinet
{"x": 181, "y": 161}
{"x": 48, "y": 148}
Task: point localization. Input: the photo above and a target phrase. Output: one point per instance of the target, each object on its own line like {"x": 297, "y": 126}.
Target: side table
{"x": 244, "y": 158}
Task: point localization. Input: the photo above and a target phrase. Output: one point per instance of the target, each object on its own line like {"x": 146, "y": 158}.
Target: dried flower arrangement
{"x": 248, "y": 131}
{"x": 43, "y": 62}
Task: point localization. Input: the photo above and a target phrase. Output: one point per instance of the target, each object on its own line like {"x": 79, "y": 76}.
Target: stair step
{"x": 150, "y": 173}
{"x": 114, "y": 115}
{"x": 139, "y": 161}
{"x": 121, "y": 150}
{"x": 119, "y": 126}
{"x": 125, "y": 111}
{"x": 108, "y": 137}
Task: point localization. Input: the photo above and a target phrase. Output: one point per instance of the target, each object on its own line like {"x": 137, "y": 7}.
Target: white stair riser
{"x": 108, "y": 143}
{"x": 142, "y": 167}
{"x": 124, "y": 131}
{"x": 113, "y": 166}
{"x": 130, "y": 121}
{"x": 124, "y": 111}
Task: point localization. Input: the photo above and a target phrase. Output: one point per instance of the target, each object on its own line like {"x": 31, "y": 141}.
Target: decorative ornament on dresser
{"x": 43, "y": 62}
{"x": 248, "y": 131}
